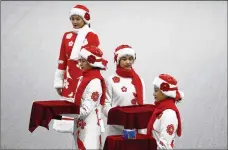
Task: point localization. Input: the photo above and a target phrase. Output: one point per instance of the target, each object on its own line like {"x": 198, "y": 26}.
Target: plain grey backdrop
{"x": 187, "y": 39}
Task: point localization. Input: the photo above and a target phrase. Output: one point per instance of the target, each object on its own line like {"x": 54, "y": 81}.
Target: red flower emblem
{"x": 133, "y": 102}
{"x": 164, "y": 86}
{"x": 81, "y": 123}
{"x": 87, "y": 16}
{"x": 124, "y": 89}
{"x": 95, "y": 96}
{"x": 116, "y": 79}
{"x": 91, "y": 59}
{"x": 170, "y": 129}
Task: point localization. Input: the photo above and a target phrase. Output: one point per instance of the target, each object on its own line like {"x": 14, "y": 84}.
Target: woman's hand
{"x": 59, "y": 91}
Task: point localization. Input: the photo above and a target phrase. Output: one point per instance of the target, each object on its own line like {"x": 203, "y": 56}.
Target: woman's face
{"x": 158, "y": 95}
{"x": 126, "y": 62}
{"x": 84, "y": 65}
{"x": 77, "y": 21}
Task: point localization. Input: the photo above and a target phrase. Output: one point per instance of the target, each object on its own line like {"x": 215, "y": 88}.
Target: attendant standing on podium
{"x": 68, "y": 71}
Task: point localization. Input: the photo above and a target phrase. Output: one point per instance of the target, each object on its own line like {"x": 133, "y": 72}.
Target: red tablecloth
{"x": 131, "y": 117}
{"x": 142, "y": 142}
{"x": 43, "y": 111}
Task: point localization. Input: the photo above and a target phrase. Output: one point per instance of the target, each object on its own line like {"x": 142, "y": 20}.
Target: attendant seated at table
{"x": 165, "y": 122}
{"x": 125, "y": 87}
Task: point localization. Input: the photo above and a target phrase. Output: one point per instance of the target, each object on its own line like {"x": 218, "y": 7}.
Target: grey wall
{"x": 185, "y": 39}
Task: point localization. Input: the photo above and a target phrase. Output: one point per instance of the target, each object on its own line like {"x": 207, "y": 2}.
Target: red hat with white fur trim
{"x": 123, "y": 50}
{"x": 81, "y": 11}
{"x": 168, "y": 85}
{"x": 94, "y": 56}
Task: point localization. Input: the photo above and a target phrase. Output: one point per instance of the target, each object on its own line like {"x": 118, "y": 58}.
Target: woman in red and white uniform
{"x": 89, "y": 95}
{"x": 68, "y": 71}
{"x": 124, "y": 87}
{"x": 80, "y": 36}
{"x": 165, "y": 122}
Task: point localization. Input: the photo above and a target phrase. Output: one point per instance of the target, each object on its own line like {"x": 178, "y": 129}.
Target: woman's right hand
{"x": 59, "y": 91}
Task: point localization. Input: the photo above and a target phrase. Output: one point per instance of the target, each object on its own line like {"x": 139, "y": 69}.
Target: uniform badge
{"x": 124, "y": 89}
{"x": 95, "y": 96}
{"x": 170, "y": 129}
{"x": 116, "y": 79}
{"x": 70, "y": 43}
{"x": 81, "y": 123}
{"x": 69, "y": 35}
{"x": 60, "y": 62}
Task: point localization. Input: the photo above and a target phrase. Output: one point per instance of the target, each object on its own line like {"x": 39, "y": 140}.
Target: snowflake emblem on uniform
{"x": 116, "y": 79}
{"x": 65, "y": 83}
{"x": 124, "y": 89}
{"x": 60, "y": 62}
{"x": 70, "y": 43}
{"x": 81, "y": 123}
{"x": 170, "y": 129}
{"x": 95, "y": 96}
{"x": 133, "y": 102}
{"x": 68, "y": 36}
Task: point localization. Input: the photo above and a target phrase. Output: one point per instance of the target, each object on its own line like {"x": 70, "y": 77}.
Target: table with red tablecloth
{"x": 131, "y": 117}
{"x": 43, "y": 111}
{"x": 141, "y": 142}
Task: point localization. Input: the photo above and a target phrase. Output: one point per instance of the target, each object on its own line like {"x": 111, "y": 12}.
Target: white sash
{"x": 79, "y": 41}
